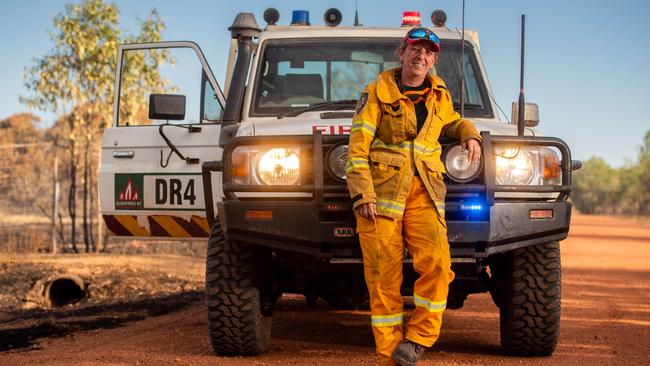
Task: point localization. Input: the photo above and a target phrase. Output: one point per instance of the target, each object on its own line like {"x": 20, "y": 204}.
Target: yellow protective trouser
{"x": 382, "y": 243}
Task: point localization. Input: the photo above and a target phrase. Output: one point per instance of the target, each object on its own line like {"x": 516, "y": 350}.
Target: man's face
{"x": 417, "y": 59}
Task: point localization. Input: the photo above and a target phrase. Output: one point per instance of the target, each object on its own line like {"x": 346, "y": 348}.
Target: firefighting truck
{"x": 258, "y": 168}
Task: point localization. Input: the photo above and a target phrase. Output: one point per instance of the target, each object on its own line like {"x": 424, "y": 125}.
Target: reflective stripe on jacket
{"x": 385, "y": 148}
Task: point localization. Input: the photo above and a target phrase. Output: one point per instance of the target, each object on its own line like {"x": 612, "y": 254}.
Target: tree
{"x": 598, "y": 188}
{"x": 595, "y": 187}
{"x": 75, "y": 80}
{"x": 644, "y": 176}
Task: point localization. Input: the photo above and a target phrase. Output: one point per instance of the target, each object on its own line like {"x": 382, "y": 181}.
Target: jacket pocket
{"x": 384, "y": 169}
{"x": 434, "y": 175}
{"x": 392, "y": 129}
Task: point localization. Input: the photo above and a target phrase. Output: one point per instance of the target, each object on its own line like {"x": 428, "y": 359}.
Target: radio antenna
{"x": 462, "y": 64}
{"x": 522, "y": 103}
{"x": 356, "y": 14}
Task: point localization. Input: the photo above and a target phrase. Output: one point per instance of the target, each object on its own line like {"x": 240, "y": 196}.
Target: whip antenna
{"x": 356, "y": 14}
{"x": 522, "y": 104}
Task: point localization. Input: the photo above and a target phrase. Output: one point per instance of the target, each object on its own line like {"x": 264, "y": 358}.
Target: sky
{"x": 586, "y": 60}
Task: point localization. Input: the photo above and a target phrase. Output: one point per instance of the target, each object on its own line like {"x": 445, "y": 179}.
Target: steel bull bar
{"x": 506, "y": 227}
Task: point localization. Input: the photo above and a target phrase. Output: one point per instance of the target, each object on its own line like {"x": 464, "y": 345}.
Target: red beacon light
{"x": 411, "y": 19}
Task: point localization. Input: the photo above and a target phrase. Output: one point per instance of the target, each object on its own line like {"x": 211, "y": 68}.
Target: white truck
{"x": 260, "y": 173}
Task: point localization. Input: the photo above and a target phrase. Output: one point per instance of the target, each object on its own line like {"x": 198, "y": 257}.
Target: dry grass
{"x": 8, "y": 219}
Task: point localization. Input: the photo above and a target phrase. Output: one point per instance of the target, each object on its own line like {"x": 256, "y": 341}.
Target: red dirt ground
{"x": 605, "y": 320}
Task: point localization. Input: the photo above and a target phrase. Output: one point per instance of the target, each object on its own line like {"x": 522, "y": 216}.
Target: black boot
{"x": 408, "y": 353}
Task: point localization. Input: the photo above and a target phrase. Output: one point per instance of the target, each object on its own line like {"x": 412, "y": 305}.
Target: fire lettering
{"x": 344, "y": 129}
{"x": 332, "y": 129}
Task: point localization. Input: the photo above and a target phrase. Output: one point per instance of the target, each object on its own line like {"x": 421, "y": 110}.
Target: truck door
{"x": 146, "y": 188}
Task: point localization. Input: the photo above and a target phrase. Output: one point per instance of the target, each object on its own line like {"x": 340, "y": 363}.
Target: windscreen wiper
{"x": 334, "y": 104}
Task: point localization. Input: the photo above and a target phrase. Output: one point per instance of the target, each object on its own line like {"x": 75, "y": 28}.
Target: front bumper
{"x": 320, "y": 231}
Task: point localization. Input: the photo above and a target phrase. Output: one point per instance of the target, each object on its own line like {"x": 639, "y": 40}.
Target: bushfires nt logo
{"x": 128, "y": 192}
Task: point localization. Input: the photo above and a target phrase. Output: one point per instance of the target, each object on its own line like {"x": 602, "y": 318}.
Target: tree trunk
{"x": 72, "y": 201}
{"x": 55, "y": 199}
{"x": 85, "y": 200}
{"x": 91, "y": 210}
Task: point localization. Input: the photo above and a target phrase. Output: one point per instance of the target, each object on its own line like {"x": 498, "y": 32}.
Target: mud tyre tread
{"x": 530, "y": 307}
{"x": 235, "y": 321}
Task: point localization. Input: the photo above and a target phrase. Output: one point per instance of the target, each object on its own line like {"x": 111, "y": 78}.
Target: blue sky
{"x": 585, "y": 60}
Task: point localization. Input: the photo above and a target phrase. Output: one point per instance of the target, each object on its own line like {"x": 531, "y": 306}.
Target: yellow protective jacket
{"x": 385, "y": 148}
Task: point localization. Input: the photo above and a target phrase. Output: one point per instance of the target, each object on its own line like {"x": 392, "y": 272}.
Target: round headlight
{"x": 336, "y": 158}
{"x": 279, "y": 166}
{"x": 459, "y": 169}
{"x": 514, "y": 167}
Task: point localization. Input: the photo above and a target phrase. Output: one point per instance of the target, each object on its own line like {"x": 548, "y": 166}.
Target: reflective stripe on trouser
{"x": 382, "y": 244}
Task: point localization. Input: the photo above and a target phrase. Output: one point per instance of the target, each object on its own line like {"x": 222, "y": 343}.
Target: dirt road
{"x": 605, "y": 320}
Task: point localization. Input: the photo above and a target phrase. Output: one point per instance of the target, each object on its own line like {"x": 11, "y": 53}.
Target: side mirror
{"x": 167, "y": 107}
{"x": 531, "y": 114}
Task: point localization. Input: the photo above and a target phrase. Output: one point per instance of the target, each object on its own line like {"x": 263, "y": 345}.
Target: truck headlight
{"x": 514, "y": 166}
{"x": 336, "y": 158}
{"x": 264, "y": 164}
{"x": 279, "y": 166}
{"x": 459, "y": 169}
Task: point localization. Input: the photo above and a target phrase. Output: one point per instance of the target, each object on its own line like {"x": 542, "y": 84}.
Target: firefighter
{"x": 394, "y": 175}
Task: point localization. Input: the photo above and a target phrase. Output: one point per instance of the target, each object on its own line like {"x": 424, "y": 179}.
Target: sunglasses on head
{"x": 417, "y": 34}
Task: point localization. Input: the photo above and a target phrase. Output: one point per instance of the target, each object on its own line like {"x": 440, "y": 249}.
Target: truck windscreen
{"x": 298, "y": 73}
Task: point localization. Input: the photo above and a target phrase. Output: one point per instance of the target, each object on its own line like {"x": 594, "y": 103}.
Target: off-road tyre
{"x": 530, "y": 306}
{"x": 235, "y": 320}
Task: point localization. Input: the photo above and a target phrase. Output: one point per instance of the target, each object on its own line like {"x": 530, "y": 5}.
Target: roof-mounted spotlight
{"x": 332, "y": 17}
{"x": 439, "y": 18}
{"x": 411, "y": 19}
{"x": 271, "y": 16}
{"x": 300, "y": 17}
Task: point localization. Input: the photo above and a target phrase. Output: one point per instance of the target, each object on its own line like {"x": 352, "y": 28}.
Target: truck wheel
{"x": 530, "y": 307}
{"x": 236, "y": 323}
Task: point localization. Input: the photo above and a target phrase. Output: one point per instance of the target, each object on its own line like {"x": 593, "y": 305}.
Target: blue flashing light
{"x": 471, "y": 207}
{"x": 300, "y": 17}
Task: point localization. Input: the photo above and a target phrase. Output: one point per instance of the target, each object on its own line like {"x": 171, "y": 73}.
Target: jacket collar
{"x": 388, "y": 91}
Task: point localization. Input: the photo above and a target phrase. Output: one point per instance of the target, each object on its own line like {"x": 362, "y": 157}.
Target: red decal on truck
{"x": 332, "y": 129}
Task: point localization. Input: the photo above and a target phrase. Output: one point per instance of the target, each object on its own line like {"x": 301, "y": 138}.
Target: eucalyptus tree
{"x": 75, "y": 80}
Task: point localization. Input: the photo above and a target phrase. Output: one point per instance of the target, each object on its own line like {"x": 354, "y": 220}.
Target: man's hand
{"x": 367, "y": 210}
{"x": 473, "y": 150}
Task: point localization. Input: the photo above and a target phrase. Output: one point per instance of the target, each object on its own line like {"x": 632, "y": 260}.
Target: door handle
{"x": 123, "y": 154}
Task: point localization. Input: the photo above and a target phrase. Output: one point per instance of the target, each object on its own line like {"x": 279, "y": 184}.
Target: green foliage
{"x": 77, "y": 77}
{"x": 141, "y": 74}
{"x": 601, "y": 189}
{"x": 643, "y": 174}
{"x": 595, "y": 187}
{"x": 79, "y": 69}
